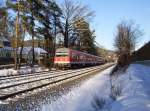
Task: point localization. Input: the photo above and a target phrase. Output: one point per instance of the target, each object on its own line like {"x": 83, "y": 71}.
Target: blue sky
{"x": 110, "y": 12}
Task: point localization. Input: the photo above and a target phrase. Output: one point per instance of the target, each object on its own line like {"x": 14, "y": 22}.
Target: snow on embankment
{"x": 95, "y": 93}
{"x": 82, "y": 98}
{"x": 135, "y": 89}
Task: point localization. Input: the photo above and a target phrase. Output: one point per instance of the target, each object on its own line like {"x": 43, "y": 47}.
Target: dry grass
{"x": 115, "y": 92}
{"x": 98, "y": 103}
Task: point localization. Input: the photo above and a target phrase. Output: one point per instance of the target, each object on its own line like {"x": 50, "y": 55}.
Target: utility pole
{"x": 16, "y": 38}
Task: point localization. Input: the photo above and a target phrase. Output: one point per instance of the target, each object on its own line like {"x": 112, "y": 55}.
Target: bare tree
{"x": 71, "y": 12}
{"x": 127, "y": 37}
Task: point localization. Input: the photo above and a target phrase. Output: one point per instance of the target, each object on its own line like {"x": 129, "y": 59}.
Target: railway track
{"x": 15, "y": 85}
{"x": 13, "y": 77}
{"x": 31, "y": 78}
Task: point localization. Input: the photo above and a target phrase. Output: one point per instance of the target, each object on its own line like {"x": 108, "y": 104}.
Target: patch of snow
{"x": 22, "y": 70}
{"x": 7, "y": 72}
{"x": 81, "y": 98}
{"x": 135, "y": 92}
{"x": 135, "y": 84}
{"x": 28, "y": 69}
{"x": 27, "y": 50}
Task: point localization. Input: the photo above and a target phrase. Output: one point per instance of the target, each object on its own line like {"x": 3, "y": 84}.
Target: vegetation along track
{"x": 19, "y": 86}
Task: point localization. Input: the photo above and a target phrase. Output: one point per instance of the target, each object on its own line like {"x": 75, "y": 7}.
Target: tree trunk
{"x": 20, "y": 56}
{"x": 66, "y": 35}
{"x": 33, "y": 55}
{"x": 16, "y": 59}
{"x": 16, "y": 41}
{"x": 54, "y": 43}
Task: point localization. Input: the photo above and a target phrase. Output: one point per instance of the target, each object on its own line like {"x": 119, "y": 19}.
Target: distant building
{"x": 6, "y": 51}
{"x": 27, "y": 54}
{"x": 4, "y": 42}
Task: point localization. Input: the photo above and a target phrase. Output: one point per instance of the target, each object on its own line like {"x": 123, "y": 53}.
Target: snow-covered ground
{"x": 135, "y": 84}
{"x": 22, "y": 70}
{"x": 95, "y": 94}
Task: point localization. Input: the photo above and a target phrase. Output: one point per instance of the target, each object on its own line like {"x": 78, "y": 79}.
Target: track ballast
{"x": 14, "y": 85}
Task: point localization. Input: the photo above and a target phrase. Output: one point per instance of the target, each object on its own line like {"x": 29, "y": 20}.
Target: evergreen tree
{"x": 85, "y": 38}
{"x": 38, "y": 17}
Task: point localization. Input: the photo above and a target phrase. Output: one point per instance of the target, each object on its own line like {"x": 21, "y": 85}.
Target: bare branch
{"x": 73, "y": 11}
{"x": 127, "y": 36}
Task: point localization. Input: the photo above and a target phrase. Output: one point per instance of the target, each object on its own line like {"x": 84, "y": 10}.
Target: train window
{"x": 78, "y": 57}
{"x": 81, "y": 57}
{"x": 61, "y": 54}
{"x": 73, "y": 56}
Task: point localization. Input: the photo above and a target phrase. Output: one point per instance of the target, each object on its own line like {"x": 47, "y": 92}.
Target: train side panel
{"x": 66, "y": 57}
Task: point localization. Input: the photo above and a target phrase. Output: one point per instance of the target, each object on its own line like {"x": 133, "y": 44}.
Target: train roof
{"x": 66, "y": 50}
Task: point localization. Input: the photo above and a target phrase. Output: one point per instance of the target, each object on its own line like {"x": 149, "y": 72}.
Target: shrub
{"x": 98, "y": 103}
{"x": 115, "y": 92}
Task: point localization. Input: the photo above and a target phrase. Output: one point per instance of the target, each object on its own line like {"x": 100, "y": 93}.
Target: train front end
{"x": 62, "y": 58}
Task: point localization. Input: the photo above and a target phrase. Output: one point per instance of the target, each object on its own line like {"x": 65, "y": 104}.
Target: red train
{"x": 68, "y": 58}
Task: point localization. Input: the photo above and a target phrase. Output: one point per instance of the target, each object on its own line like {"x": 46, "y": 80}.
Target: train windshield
{"x": 61, "y": 54}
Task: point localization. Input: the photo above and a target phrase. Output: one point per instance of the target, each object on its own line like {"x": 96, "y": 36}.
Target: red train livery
{"x": 65, "y": 57}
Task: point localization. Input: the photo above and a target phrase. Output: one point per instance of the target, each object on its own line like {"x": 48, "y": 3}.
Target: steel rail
{"x": 42, "y": 78}
{"x": 70, "y": 75}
